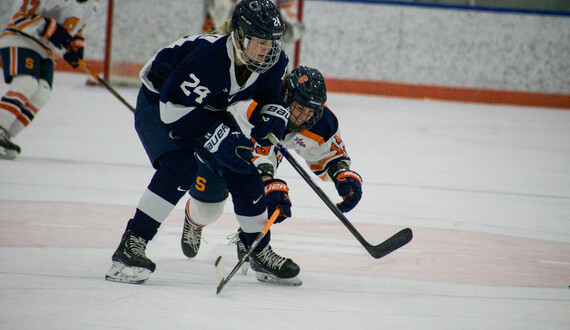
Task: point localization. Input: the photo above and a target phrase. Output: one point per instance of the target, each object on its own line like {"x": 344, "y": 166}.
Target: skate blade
{"x": 245, "y": 268}
{"x": 8, "y": 154}
{"x": 266, "y": 278}
{"x": 132, "y": 275}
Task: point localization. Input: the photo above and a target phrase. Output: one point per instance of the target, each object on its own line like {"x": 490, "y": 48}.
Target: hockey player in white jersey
{"x": 40, "y": 32}
{"x": 313, "y": 132}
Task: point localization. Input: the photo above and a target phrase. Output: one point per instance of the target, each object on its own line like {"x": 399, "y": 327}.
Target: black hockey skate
{"x": 272, "y": 268}
{"x": 8, "y": 149}
{"x": 241, "y": 252}
{"x": 130, "y": 264}
{"x": 191, "y": 238}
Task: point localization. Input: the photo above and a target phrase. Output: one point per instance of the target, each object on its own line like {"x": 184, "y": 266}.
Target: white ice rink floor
{"x": 486, "y": 190}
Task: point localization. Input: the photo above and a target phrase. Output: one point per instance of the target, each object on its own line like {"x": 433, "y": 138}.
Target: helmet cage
{"x": 258, "y": 25}
{"x": 259, "y": 55}
{"x": 306, "y": 86}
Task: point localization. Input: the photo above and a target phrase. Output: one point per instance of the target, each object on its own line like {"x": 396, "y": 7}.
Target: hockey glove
{"x": 74, "y": 53}
{"x": 230, "y": 149}
{"x": 276, "y": 194}
{"x": 273, "y": 119}
{"x": 349, "y": 186}
{"x": 56, "y": 34}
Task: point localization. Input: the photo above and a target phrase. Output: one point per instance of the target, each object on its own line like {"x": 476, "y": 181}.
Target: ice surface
{"x": 486, "y": 190}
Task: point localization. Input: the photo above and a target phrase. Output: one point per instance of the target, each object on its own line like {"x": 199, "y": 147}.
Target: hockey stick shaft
{"x": 82, "y": 66}
{"x": 377, "y": 251}
{"x": 106, "y": 85}
{"x": 258, "y": 239}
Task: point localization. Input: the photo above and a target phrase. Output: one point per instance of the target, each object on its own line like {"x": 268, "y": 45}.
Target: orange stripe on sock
{"x": 16, "y": 112}
{"x": 189, "y": 218}
{"x": 21, "y": 97}
{"x": 32, "y": 108}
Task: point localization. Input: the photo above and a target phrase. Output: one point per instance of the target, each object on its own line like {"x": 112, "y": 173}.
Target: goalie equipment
{"x": 306, "y": 86}
{"x": 130, "y": 264}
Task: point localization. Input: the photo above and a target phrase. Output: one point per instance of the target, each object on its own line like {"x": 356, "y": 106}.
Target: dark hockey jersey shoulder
{"x": 327, "y": 126}
{"x": 167, "y": 60}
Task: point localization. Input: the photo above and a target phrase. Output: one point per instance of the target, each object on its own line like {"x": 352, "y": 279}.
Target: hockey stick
{"x": 393, "y": 243}
{"x": 105, "y": 84}
{"x": 81, "y": 65}
{"x": 219, "y": 265}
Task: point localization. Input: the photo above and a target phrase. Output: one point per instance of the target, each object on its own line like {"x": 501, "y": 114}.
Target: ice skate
{"x": 237, "y": 239}
{"x": 270, "y": 267}
{"x": 242, "y": 251}
{"x": 8, "y": 149}
{"x": 130, "y": 264}
{"x": 191, "y": 238}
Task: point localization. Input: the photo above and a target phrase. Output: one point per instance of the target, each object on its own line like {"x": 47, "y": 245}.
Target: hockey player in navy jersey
{"x": 40, "y": 32}
{"x": 182, "y": 120}
{"x": 313, "y": 132}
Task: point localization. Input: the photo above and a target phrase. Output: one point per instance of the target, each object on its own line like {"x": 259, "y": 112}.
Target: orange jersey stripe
{"x": 321, "y": 165}
{"x": 28, "y": 22}
{"x": 250, "y": 109}
{"x": 14, "y": 60}
{"x": 315, "y": 137}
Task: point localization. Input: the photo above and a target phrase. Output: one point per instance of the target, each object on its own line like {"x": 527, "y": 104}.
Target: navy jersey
{"x": 194, "y": 81}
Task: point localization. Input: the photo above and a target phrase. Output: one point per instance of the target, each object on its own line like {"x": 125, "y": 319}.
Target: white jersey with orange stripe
{"x": 27, "y": 23}
{"x": 320, "y": 146}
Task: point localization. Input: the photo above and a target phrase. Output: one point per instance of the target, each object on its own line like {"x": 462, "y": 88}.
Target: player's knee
{"x": 204, "y": 213}
{"x": 25, "y": 85}
{"x": 252, "y": 223}
{"x": 41, "y": 96}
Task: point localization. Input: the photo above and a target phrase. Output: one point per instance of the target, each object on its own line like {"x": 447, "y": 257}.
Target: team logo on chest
{"x": 300, "y": 142}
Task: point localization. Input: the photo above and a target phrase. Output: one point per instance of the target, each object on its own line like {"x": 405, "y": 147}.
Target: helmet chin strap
{"x": 238, "y": 50}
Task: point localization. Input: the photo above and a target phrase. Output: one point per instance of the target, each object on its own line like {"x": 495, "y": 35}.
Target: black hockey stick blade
{"x": 390, "y": 245}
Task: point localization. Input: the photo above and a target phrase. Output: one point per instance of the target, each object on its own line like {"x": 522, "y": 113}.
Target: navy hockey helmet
{"x": 259, "y": 23}
{"x": 307, "y": 87}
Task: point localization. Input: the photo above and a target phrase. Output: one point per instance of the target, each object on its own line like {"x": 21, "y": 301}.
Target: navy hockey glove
{"x": 273, "y": 119}
{"x": 56, "y": 33}
{"x": 229, "y": 148}
{"x": 349, "y": 186}
{"x": 75, "y": 51}
{"x": 276, "y": 194}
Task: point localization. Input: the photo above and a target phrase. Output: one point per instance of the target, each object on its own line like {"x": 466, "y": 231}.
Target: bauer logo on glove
{"x": 277, "y": 195}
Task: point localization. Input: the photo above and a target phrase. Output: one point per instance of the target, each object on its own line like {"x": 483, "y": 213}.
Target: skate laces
{"x": 192, "y": 235}
{"x": 270, "y": 258}
{"x": 233, "y": 238}
{"x": 137, "y": 245}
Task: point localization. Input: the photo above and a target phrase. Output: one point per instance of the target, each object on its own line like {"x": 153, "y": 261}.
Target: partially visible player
{"x": 39, "y": 33}
{"x": 182, "y": 120}
{"x": 313, "y": 132}
{"x": 216, "y": 12}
